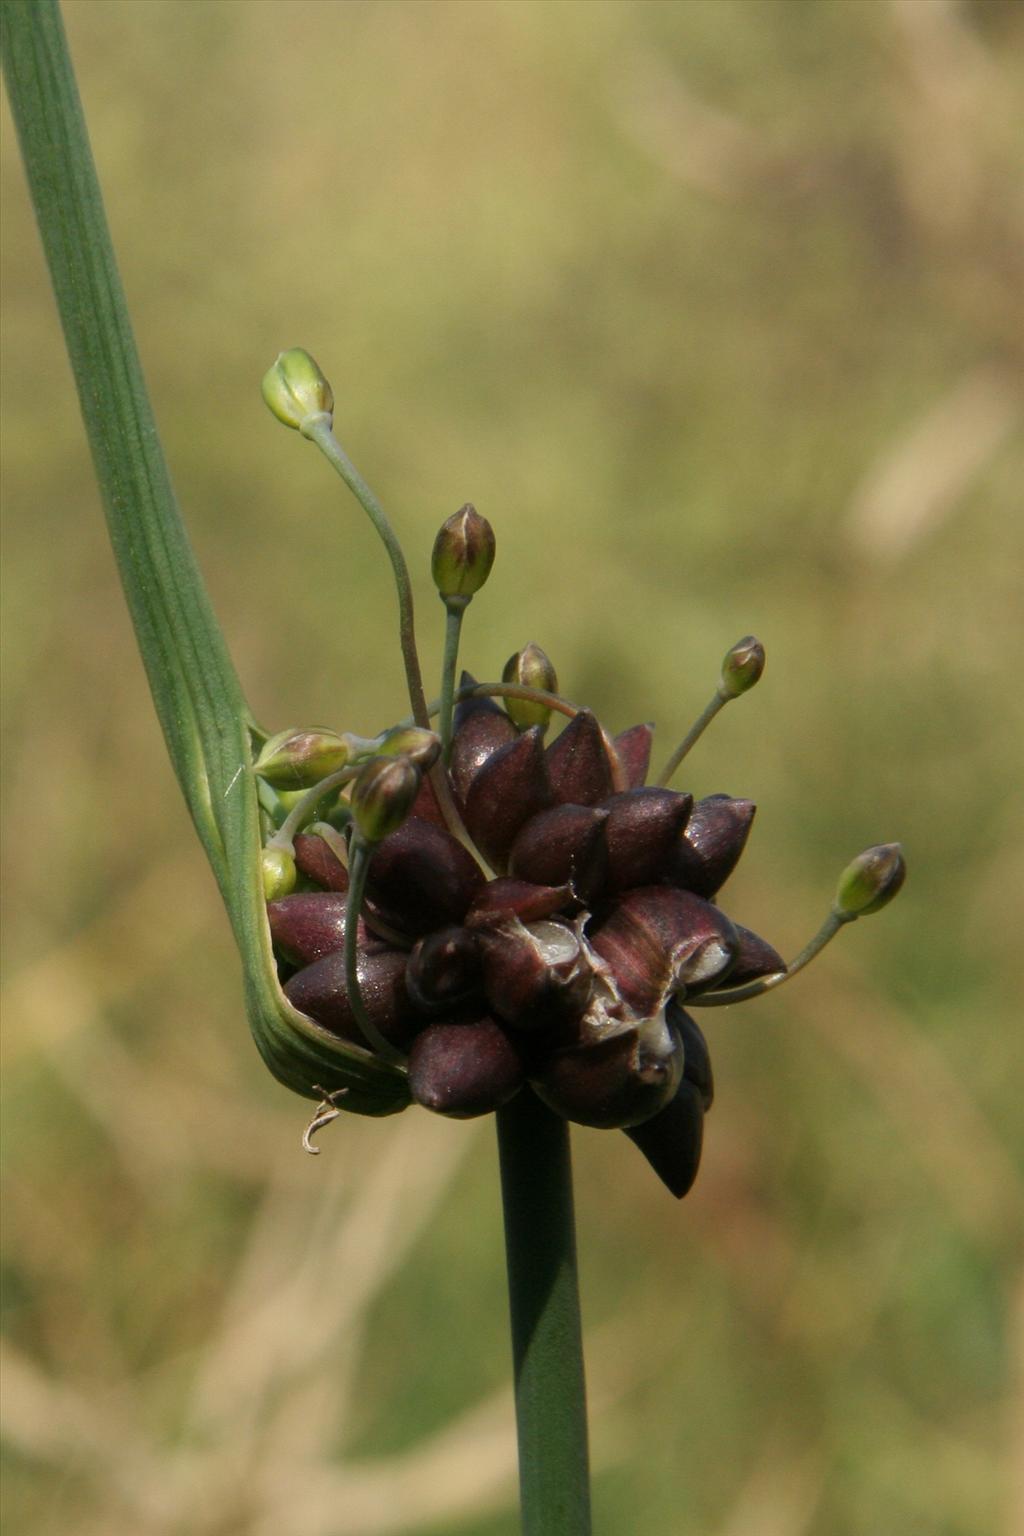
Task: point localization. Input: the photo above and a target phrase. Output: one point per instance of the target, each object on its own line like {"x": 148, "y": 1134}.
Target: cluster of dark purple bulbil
{"x": 568, "y": 969}
{"x": 528, "y": 917}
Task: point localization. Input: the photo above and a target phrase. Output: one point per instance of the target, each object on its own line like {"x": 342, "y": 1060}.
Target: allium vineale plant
{"x": 468, "y": 917}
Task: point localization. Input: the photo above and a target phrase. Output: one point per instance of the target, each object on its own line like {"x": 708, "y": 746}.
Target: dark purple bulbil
{"x": 567, "y": 969}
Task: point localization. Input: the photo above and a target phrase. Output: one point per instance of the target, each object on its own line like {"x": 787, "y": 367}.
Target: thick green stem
{"x": 547, "y": 1344}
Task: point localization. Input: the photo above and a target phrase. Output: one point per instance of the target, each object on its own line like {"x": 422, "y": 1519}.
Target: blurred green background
{"x": 714, "y": 309}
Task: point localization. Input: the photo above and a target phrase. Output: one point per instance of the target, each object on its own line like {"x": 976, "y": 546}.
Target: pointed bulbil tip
{"x": 644, "y": 826}
{"x": 672, "y": 1140}
{"x": 633, "y": 749}
{"x": 481, "y": 727}
{"x": 711, "y": 844}
{"x": 579, "y": 763}
{"x": 755, "y": 958}
{"x": 510, "y": 787}
{"x": 563, "y": 846}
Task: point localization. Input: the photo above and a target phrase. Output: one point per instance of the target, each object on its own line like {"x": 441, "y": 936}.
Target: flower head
{"x": 483, "y": 912}
{"x": 556, "y": 949}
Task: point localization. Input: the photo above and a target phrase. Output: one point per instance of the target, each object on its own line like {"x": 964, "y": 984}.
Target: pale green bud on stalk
{"x": 297, "y": 392}
{"x": 383, "y": 796}
{"x": 298, "y": 759}
{"x": 530, "y": 668}
{"x": 277, "y": 866}
{"x": 421, "y": 747}
{"x": 742, "y": 667}
{"x": 463, "y": 554}
{"x": 460, "y": 564}
{"x": 867, "y": 884}
{"x": 870, "y": 881}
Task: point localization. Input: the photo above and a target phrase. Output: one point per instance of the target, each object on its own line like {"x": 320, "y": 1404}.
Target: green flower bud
{"x": 278, "y": 869}
{"x": 296, "y": 390}
{"x": 295, "y": 759}
{"x": 742, "y": 666}
{"x": 532, "y": 668}
{"x": 870, "y": 881}
{"x": 421, "y": 746}
{"x": 383, "y": 796}
{"x": 463, "y": 554}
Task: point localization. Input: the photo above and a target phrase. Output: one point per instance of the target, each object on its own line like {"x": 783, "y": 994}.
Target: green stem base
{"x": 547, "y": 1344}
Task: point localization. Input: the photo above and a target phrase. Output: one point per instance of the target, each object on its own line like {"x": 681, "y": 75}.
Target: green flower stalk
{"x": 868, "y": 883}
{"x": 742, "y": 667}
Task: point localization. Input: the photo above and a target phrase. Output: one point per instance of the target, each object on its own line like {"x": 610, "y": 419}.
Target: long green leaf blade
{"x": 194, "y": 686}
{"x": 198, "y": 698}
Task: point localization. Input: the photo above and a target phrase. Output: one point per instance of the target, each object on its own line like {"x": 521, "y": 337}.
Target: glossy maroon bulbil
{"x": 561, "y": 957}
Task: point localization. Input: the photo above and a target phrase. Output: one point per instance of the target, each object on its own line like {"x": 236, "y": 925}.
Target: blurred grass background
{"x": 714, "y": 309}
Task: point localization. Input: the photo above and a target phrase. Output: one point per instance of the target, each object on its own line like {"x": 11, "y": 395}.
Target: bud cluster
{"x": 490, "y": 913}
{"x": 565, "y": 964}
